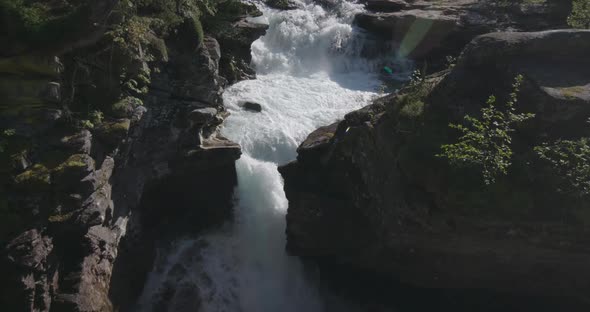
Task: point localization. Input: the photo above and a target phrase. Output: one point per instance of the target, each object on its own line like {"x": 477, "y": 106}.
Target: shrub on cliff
{"x": 570, "y": 163}
{"x": 580, "y": 16}
{"x": 486, "y": 141}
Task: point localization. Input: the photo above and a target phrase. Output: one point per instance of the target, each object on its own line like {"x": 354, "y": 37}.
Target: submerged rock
{"x": 251, "y": 106}
{"x": 282, "y": 4}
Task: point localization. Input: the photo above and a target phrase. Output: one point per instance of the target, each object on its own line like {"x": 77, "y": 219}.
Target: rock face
{"x": 435, "y": 29}
{"x": 368, "y": 192}
{"x": 108, "y": 141}
{"x": 236, "y": 41}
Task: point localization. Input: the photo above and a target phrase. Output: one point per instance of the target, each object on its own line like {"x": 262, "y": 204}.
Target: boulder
{"x": 327, "y": 4}
{"x": 251, "y": 106}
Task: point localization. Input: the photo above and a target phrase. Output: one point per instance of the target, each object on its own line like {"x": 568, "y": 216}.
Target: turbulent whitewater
{"x": 309, "y": 74}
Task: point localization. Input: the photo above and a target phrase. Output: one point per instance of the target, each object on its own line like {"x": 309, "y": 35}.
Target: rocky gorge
{"x": 111, "y": 142}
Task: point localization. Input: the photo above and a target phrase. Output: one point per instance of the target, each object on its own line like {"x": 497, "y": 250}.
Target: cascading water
{"x": 309, "y": 74}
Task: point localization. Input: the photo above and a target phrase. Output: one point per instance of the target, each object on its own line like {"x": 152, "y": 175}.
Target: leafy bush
{"x": 485, "y": 142}
{"x": 571, "y": 162}
{"x": 580, "y": 16}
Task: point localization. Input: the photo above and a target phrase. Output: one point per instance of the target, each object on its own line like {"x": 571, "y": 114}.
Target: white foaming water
{"x": 309, "y": 74}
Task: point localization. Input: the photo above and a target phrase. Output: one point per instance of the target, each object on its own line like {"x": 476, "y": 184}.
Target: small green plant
{"x": 580, "y": 16}
{"x": 96, "y": 117}
{"x": 85, "y": 124}
{"x": 571, "y": 162}
{"x": 412, "y": 109}
{"x": 485, "y": 142}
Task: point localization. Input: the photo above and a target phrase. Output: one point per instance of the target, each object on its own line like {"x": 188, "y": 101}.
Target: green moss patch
{"x": 36, "y": 177}
{"x": 113, "y": 132}
{"x": 59, "y": 218}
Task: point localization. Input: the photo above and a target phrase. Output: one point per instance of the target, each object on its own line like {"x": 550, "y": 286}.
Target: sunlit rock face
{"x": 436, "y": 29}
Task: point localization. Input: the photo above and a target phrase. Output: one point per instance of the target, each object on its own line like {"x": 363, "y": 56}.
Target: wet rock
{"x": 327, "y": 4}
{"x": 282, "y": 4}
{"x": 237, "y": 40}
{"x": 251, "y": 106}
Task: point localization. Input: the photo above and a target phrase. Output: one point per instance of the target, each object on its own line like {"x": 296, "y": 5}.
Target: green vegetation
{"x": 570, "y": 161}
{"x": 36, "y": 177}
{"x": 485, "y": 142}
{"x": 580, "y": 16}
{"x": 41, "y": 23}
{"x": 412, "y": 109}
{"x": 411, "y": 102}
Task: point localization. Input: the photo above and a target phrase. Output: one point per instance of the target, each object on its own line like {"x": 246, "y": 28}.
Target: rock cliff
{"x": 109, "y": 117}
{"x": 369, "y": 193}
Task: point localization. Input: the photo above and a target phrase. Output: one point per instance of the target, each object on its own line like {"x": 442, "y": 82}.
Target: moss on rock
{"x": 36, "y": 177}
{"x": 60, "y": 217}
{"x": 113, "y": 132}
{"x": 72, "y": 170}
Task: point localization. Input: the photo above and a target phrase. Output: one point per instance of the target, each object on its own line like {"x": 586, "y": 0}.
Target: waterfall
{"x": 309, "y": 74}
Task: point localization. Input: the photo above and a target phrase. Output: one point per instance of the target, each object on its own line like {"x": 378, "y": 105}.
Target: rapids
{"x": 309, "y": 73}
